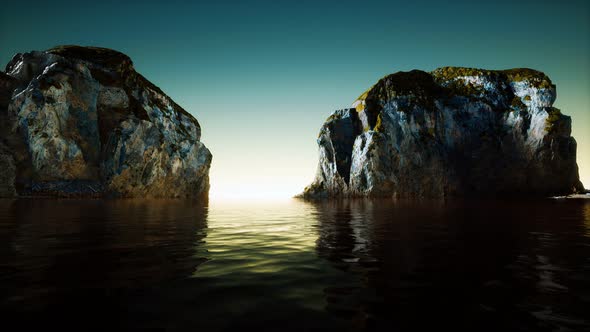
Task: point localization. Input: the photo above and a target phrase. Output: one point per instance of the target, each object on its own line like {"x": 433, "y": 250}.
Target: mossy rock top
{"x": 422, "y": 88}
{"x": 514, "y": 74}
{"x": 416, "y": 82}
{"x": 534, "y": 77}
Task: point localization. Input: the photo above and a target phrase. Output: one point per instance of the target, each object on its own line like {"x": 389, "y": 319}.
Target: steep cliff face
{"x": 81, "y": 121}
{"x": 450, "y": 132}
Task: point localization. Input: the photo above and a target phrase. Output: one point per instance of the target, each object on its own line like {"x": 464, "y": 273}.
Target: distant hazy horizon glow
{"x": 255, "y": 188}
{"x": 262, "y": 76}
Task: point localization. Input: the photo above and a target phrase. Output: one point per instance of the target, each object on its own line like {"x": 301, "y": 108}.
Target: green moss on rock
{"x": 534, "y": 77}
{"x": 314, "y": 188}
{"x": 378, "y": 124}
{"x": 464, "y": 89}
{"x": 416, "y": 82}
{"x": 553, "y": 117}
{"x": 417, "y": 86}
{"x": 451, "y": 73}
{"x": 422, "y": 89}
{"x": 334, "y": 116}
{"x": 517, "y": 104}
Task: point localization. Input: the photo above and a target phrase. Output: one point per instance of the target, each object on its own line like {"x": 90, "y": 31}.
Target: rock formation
{"x": 450, "y": 132}
{"x": 80, "y": 121}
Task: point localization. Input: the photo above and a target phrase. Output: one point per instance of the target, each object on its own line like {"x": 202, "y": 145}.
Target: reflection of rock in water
{"x": 343, "y": 241}
{"x": 337, "y": 240}
{"x": 122, "y": 249}
{"x": 434, "y": 264}
{"x": 369, "y": 238}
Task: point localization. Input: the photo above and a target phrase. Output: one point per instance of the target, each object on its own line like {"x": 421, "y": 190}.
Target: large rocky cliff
{"x": 450, "y": 132}
{"x": 80, "y": 121}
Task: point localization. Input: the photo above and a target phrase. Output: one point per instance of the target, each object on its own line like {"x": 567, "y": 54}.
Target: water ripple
{"x": 345, "y": 265}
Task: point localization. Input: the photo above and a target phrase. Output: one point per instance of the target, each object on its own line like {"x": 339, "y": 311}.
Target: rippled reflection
{"x": 74, "y": 261}
{"x": 293, "y": 266}
{"x": 460, "y": 265}
{"x": 587, "y": 219}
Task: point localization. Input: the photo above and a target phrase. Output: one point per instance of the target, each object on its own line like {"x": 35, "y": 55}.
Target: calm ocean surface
{"x": 295, "y": 266}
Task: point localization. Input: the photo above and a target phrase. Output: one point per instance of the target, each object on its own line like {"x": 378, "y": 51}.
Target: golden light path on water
{"x": 253, "y": 263}
{"x": 264, "y": 241}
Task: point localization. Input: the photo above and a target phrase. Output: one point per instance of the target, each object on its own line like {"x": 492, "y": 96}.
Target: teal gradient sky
{"x": 262, "y": 76}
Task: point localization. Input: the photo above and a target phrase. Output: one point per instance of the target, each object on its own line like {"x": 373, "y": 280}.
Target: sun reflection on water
{"x": 257, "y": 237}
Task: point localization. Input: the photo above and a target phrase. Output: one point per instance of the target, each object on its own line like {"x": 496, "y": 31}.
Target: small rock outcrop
{"x": 450, "y": 132}
{"x": 80, "y": 121}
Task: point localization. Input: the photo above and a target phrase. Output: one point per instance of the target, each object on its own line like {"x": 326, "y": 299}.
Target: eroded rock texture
{"x": 451, "y": 132}
{"x": 81, "y": 121}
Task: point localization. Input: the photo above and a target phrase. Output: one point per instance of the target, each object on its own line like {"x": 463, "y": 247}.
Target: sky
{"x": 262, "y": 76}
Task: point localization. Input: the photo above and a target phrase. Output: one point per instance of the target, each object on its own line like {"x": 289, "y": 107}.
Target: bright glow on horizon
{"x": 245, "y": 191}
{"x": 261, "y": 78}
{"x": 256, "y": 160}
{"x": 257, "y": 187}
{"x": 240, "y": 195}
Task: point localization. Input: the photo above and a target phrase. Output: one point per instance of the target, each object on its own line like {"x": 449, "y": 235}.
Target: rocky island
{"x": 450, "y": 132}
{"x": 80, "y": 121}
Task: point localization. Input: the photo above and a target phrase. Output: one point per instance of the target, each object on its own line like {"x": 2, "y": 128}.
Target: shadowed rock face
{"x": 81, "y": 121}
{"x": 451, "y": 132}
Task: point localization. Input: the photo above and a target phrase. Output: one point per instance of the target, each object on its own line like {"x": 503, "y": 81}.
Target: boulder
{"x": 450, "y": 132}
{"x": 80, "y": 121}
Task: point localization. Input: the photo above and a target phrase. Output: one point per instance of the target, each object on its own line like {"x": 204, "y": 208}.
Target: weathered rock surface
{"x": 81, "y": 121}
{"x": 450, "y": 132}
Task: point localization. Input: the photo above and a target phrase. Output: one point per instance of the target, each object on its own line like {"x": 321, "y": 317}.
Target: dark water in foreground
{"x": 356, "y": 265}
